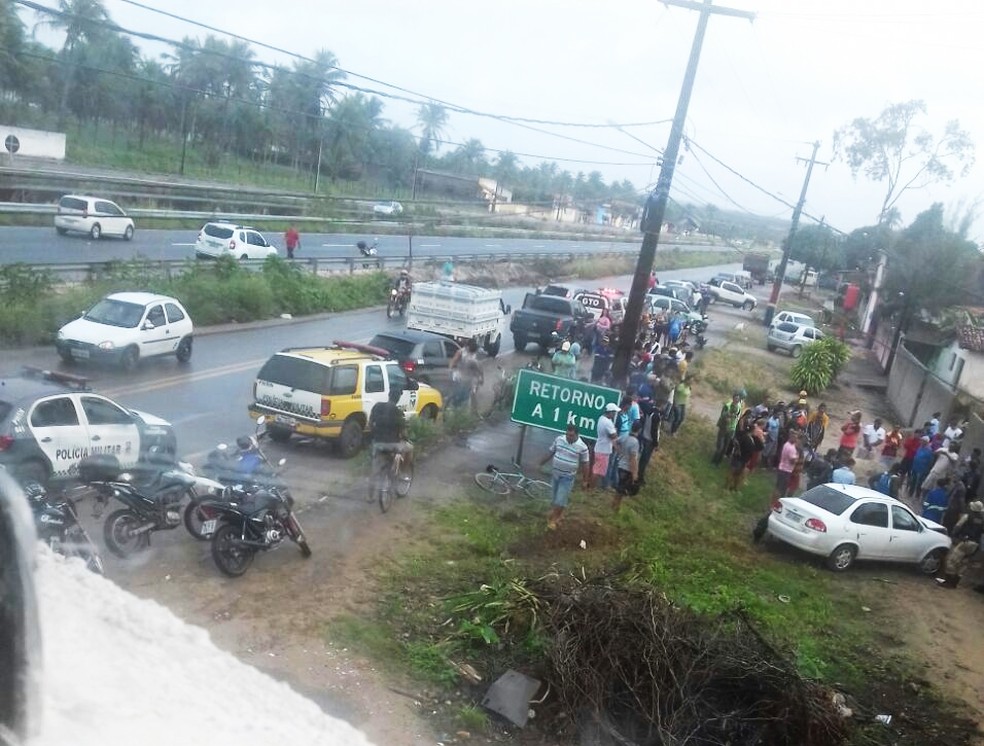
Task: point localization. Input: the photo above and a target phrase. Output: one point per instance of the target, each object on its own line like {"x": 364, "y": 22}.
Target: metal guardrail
{"x": 322, "y": 265}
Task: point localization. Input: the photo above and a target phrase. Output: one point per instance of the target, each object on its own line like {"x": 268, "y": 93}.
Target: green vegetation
{"x": 213, "y": 292}
{"x": 819, "y": 364}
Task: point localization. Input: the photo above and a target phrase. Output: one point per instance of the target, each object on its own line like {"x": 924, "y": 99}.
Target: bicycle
{"x": 395, "y": 478}
{"x": 499, "y": 482}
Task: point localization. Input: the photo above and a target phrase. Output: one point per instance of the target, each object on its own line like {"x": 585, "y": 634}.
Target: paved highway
{"x": 206, "y": 400}
{"x": 44, "y": 246}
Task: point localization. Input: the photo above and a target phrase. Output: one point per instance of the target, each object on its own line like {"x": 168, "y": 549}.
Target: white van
{"x": 93, "y": 215}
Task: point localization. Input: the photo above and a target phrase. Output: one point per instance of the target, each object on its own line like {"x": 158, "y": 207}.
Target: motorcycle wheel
{"x": 118, "y": 533}
{"x": 390, "y": 310}
{"x": 231, "y": 559}
{"x": 194, "y": 516}
{"x": 297, "y": 534}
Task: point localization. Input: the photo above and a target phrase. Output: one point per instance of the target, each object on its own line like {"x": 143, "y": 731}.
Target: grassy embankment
{"x": 464, "y": 589}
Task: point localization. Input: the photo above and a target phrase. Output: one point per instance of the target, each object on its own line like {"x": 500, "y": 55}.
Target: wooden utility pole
{"x": 652, "y": 217}
{"x": 770, "y": 310}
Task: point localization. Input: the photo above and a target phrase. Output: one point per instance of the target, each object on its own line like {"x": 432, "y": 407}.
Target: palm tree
{"x": 432, "y": 118}
{"x": 82, "y": 22}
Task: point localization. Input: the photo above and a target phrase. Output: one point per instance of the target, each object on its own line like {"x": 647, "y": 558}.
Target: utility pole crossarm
{"x": 692, "y": 5}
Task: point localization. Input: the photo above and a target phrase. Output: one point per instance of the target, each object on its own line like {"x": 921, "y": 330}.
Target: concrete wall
{"x": 915, "y": 393}
{"x": 34, "y": 143}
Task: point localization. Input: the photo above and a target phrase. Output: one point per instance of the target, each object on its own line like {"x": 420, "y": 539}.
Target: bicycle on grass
{"x": 395, "y": 477}
{"x": 499, "y": 482}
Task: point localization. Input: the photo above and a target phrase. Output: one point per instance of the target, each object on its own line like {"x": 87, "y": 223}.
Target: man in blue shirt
{"x": 843, "y": 474}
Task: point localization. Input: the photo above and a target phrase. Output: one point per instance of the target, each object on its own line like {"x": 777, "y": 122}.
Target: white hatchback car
{"x": 125, "y": 327}
{"x": 791, "y": 338}
{"x": 92, "y": 215}
{"x": 845, "y": 522}
{"x": 236, "y": 241}
{"x": 387, "y": 208}
{"x": 792, "y": 316}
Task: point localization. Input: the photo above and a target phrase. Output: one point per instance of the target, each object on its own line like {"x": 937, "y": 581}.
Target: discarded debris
{"x": 510, "y": 696}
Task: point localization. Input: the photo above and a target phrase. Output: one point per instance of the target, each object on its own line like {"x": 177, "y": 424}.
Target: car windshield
{"x": 831, "y": 500}
{"x": 396, "y": 346}
{"x": 115, "y": 313}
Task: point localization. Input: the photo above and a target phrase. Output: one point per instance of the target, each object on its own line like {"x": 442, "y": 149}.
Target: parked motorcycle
{"x": 697, "y": 328}
{"x": 241, "y": 471}
{"x": 368, "y": 249}
{"x": 152, "y": 502}
{"x": 57, "y": 522}
{"x": 251, "y": 523}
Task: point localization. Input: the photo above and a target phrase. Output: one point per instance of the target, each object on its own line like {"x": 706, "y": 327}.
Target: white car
{"x": 665, "y": 303}
{"x": 387, "y": 208}
{"x": 236, "y": 241}
{"x": 793, "y": 317}
{"x": 122, "y": 328}
{"x": 791, "y": 338}
{"x": 686, "y": 285}
{"x": 92, "y": 215}
{"x": 844, "y": 523}
{"x": 723, "y": 291}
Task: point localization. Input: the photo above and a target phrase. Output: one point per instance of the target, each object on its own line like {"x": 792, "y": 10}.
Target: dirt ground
{"x": 275, "y": 616}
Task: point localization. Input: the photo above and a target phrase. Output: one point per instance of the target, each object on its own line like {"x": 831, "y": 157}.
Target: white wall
{"x": 34, "y": 143}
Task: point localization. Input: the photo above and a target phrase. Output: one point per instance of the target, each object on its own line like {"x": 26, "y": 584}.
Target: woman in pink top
{"x": 787, "y": 461}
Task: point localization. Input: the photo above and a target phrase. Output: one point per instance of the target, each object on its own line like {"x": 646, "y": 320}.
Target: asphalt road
{"x": 44, "y": 246}
{"x": 206, "y": 400}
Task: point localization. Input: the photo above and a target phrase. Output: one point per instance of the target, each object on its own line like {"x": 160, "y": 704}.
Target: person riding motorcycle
{"x": 403, "y": 284}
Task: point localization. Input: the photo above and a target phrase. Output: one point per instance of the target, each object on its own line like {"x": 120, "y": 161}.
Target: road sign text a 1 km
{"x": 553, "y": 403}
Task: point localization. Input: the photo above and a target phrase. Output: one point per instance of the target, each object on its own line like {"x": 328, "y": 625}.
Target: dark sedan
{"x": 424, "y": 355}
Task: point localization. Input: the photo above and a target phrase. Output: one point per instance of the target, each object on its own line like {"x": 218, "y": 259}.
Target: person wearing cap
{"x": 605, "y": 437}
{"x": 570, "y": 455}
{"x": 564, "y": 363}
{"x": 966, "y": 540}
{"x": 850, "y": 432}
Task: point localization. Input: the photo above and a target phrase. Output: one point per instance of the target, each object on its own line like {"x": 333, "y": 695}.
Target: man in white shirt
{"x": 952, "y": 433}
{"x": 605, "y": 437}
{"x": 873, "y": 435}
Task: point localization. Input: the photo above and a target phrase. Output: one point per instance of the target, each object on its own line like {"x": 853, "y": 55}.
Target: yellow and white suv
{"x": 328, "y": 392}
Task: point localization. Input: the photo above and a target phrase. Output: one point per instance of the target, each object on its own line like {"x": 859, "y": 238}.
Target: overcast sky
{"x": 765, "y": 89}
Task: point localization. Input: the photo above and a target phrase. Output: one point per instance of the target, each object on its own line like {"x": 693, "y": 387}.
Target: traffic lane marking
{"x": 182, "y": 244}
{"x": 163, "y": 383}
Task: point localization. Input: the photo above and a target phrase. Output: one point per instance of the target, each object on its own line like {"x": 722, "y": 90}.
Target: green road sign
{"x": 553, "y": 403}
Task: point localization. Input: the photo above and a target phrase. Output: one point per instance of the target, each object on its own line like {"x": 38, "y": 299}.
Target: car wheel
{"x": 932, "y": 562}
{"x": 183, "y": 352}
{"x": 61, "y": 231}
{"x": 429, "y": 412}
{"x": 350, "y": 441}
{"x": 771, "y": 348}
{"x": 129, "y": 359}
{"x": 128, "y": 233}
{"x": 95, "y": 232}
{"x": 519, "y": 343}
{"x": 244, "y": 257}
{"x": 795, "y": 352}
{"x": 842, "y": 557}
{"x": 748, "y": 306}
{"x": 278, "y": 434}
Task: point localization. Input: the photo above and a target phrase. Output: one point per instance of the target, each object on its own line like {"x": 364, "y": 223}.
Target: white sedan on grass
{"x": 844, "y": 523}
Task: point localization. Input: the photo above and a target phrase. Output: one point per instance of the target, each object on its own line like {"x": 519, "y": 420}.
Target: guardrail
{"x": 324, "y": 266}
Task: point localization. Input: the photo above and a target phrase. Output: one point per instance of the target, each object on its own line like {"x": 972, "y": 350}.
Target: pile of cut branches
{"x": 652, "y": 674}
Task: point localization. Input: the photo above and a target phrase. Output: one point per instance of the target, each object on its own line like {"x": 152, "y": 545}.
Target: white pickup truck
{"x": 462, "y": 312}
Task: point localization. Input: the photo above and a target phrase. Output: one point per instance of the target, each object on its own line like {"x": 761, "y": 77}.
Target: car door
{"x": 111, "y": 218}
{"x": 731, "y": 292}
{"x": 374, "y": 387}
{"x": 908, "y": 540}
{"x": 60, "y": 432}
{"x": 178, "y": 320}
{"x": 111, "y": 429}
{"x": 156, "y": 335}
{"x": 396, "y": 378}
{"x": 435, "y": 364}
{"x": 869, "y": 526}
{"x": 258, "y": 248}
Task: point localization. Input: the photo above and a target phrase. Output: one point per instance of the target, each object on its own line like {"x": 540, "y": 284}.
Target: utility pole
{"x": 655, "y": 210}
{"x": 770, "y": 310}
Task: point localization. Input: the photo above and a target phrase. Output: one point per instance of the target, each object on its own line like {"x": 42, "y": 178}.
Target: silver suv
{"x": 228, "y": 239}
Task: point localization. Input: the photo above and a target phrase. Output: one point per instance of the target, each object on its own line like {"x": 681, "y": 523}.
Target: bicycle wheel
{"x": 491, "y": 483}
{"x": 404, "y": 479}
{"x": 385, "y": 490}
{"x": 538, "y": 489}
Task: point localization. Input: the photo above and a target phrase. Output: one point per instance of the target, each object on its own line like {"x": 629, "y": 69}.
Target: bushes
{"x": 819, "y": 364}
